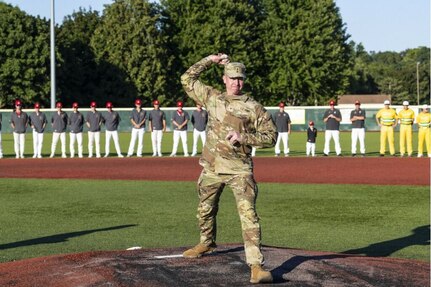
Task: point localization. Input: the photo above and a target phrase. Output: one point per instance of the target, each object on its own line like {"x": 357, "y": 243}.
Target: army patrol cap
{"x": 235, "y": 70}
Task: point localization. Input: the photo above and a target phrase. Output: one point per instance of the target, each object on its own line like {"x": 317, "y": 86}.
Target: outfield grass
{"x": 297, "y": 142}
{"x": 42, "y": 217}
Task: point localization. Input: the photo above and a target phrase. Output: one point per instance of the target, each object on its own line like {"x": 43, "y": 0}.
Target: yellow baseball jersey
{"x": 406, "y": 117}
{"x": 387, "y": 116}
{"x": 423, "y": 119}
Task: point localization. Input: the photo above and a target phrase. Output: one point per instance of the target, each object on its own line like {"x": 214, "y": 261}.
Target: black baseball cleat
{"x": 353, "y": 154}
{"x": 382, "y": 155}
{"x": 325, "y": 154}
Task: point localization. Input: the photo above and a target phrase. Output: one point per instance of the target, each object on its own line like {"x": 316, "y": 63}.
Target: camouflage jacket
{"x": 226, "y": 113}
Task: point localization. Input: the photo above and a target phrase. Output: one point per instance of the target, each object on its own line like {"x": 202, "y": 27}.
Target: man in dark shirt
{"x": 357, "y": 117}
{"x": 157, "y": 120}
{"x": 137, "y": 118}
{"x": 180, "y": 118}
{"x": 282, "y": 122}
{"x": 112, "y": 120}
{"x": 332, "y": 118}
{"x": 199, "y": 120}
{"x": 38, "y": 122}
{"x": 59, "y": 124}
{"x": 76, "y": 124}
{"x": 19, "y": 123}
{"x": 94, "y": 120}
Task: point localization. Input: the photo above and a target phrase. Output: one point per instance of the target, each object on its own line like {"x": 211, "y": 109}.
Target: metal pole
{"x": 52, "y": 55}
{"x": 417, "y": 79}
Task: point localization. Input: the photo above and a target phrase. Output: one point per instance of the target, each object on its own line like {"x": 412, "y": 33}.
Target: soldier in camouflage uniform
{"x": 236, "y": 122}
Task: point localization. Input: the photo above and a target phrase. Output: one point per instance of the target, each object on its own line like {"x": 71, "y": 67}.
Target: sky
{"x": 380, "y": 25}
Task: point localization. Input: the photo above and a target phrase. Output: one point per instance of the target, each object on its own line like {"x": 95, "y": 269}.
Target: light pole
{"x": 417, "y": 79}
{"x": 52, "y": 56}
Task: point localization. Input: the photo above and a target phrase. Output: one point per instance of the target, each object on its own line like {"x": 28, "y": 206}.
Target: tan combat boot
{"x": 199, "y": 250}
{"x": 258, "y": 275}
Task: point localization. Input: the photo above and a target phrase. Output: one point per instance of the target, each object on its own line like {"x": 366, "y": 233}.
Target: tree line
{"x": 295, "y": 51}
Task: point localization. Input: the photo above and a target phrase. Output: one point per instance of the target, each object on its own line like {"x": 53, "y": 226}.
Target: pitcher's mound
{"x": 165, "y": 267}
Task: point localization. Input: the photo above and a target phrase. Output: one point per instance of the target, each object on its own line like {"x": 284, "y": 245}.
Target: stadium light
{"x": 417, "y": 79}
{"x": 52, "y": 55}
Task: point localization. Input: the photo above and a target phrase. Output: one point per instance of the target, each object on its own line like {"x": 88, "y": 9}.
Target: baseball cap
{"x": 386, "y": 102}
{"x": 180, "y": 104}
{"x": 138, "y": 102}
{"x": 156, "y": 102}
{"x": 109, "y": 105}
{"x": 75, "y": 105}
{"x": 235, "y": 70}
{"x": 58, "y": 105}
{"x": 405, "y": 103}
{"x": 425, "y": 106}
{"x": 281, "y": 105}
{"x": 311, "y": 123}
{"x": 357, "y": 102}
{"x": 332, "y": 103}
{"x": 18, "y": 103}
{"x": 37, "y": 106}
{"x": 93, "y": 104}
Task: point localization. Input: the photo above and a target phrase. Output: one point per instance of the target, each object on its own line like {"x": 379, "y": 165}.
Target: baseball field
{"x": 377, "y": 207}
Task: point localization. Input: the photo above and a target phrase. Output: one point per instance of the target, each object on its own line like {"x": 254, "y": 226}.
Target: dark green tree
{"x": 201, "y": 28}
{"x": 306, "y": 51}
{"x": 130, "y": 38}
{"x": 24, "y": 57}
{"x": 360, "y": 79}
{"x": 78, "y": 71}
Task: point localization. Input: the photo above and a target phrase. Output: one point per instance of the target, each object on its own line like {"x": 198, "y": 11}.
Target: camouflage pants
{"x": 210, "y": 187}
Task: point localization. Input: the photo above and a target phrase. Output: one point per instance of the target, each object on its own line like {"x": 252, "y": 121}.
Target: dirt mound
{"x": 166, "y": 267}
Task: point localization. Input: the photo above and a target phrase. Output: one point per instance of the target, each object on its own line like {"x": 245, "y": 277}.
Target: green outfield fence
{"x": 300, "y": 116}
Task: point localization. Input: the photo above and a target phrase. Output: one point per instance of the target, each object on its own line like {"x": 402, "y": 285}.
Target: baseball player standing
{"x": 311, "y": 139}
{"x": 386, "y": 118}
{"x": 137, "y": 118}
{"x": 38, "y": 122}
{"x": 357, "y": 117}
{"x": 1, "y": 146}
{"x": 199, "y": 121}
{"x": 236, "y": 123}
{"x": 179, "y": 123}
{"x": 19, "y": 123}
{"x": 157, "y": 120}
{"x": 282, "y": 122}
{"x": 94, "y": 120}
{"x": 76, "y": 124}
{"x": 423, "y": 120}
{"x": 59, "y": 124}
{"x": 112, "y": 120}
{"x": 332, "y": 118}
{"x": 406, "y": 118}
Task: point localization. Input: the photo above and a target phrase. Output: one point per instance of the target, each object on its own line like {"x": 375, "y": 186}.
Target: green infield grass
{"x": 297, "y": 142}
{"x": 41, "y": 217}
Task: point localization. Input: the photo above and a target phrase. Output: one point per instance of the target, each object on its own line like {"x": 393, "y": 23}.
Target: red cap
{"x": 311, "y": 123}
{"x": 180, "y": 104}
{"x": 156, "y": 102}
{"x": 357, "y": 102}
{"x": 281, "y": 104}
{"x": 93, "y": 105}
{"x": 109, "y": 105}
{"x": 18, "y": 103}
{"x": 75, "y": 105}
{"x": 59, "y": 105}
{"x": 138, "y": 102}
{"x": 332, "y": 103}
{"x": 37, "y": 106}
